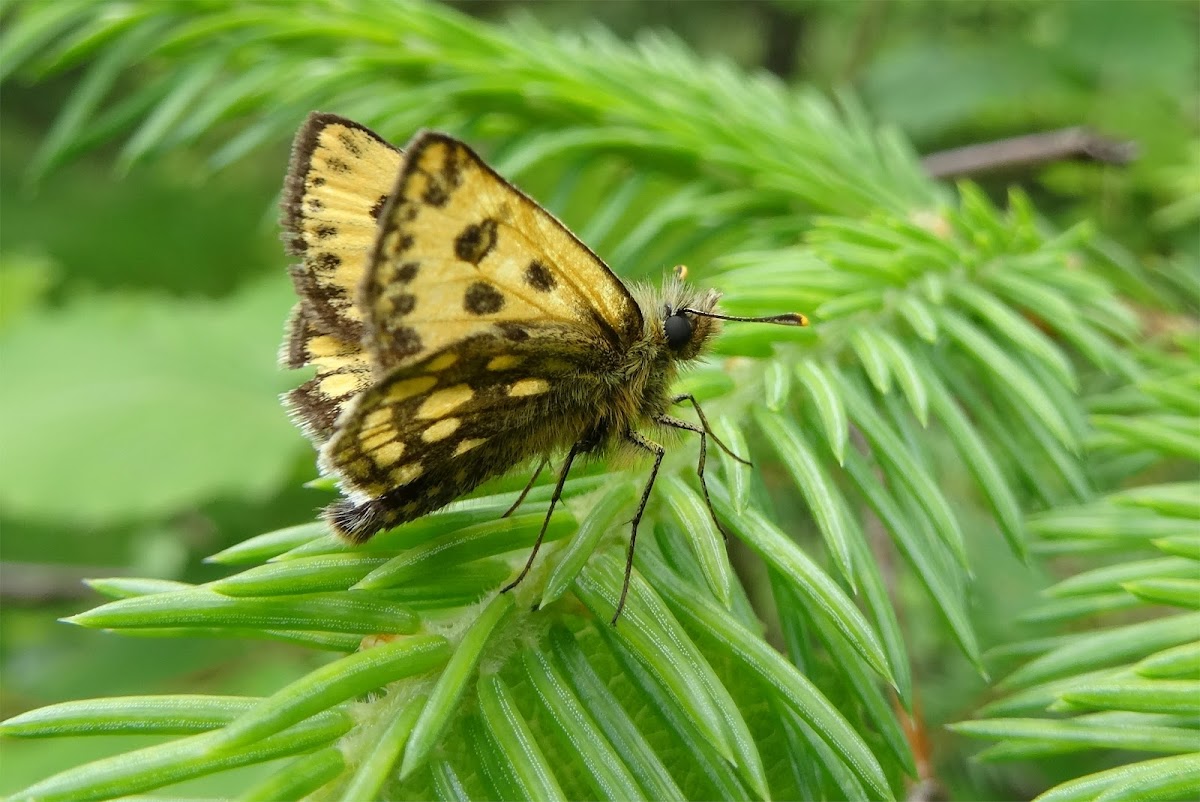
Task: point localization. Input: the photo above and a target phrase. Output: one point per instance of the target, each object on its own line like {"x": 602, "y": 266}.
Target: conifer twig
{"x": 1078, "y": 143}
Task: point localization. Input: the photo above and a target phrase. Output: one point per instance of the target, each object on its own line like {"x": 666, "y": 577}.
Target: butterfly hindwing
{"x": 343, "y": 371}
{"x": 462, "y": 252}
{"x": 436, "y": 429}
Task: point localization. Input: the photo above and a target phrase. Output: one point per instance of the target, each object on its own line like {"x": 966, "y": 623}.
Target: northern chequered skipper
{"x": 458, "y": 330}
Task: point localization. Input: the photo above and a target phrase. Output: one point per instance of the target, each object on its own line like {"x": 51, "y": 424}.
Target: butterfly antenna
{"x": 787, "y": 319}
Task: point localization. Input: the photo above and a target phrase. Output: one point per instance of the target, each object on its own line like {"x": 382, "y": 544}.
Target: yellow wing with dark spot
{"x": 337, "y": 185}
{"x": 462, "y": 252}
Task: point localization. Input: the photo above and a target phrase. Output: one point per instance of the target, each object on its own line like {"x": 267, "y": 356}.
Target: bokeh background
{"x": 141, "y": 304}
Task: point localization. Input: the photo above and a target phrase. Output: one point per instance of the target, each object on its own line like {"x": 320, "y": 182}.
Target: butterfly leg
{"x": 667, "y": 420}
{"x": 658, "y": 451}
{"x": 562, "y": 479}
{"x": 708, "y": 429}
{"x": 528, "y": 487}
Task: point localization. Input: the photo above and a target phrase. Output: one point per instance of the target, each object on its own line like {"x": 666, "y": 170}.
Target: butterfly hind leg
{"x": 679, "y": 399}
{"x": 675, "y": 423}
{"x": 582, "y": 445}
{"x": 658, "y": 452}
{"x": 528, "y": 487}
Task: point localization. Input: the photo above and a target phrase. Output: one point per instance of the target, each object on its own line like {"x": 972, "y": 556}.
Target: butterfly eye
{"x": 679, "y": 331}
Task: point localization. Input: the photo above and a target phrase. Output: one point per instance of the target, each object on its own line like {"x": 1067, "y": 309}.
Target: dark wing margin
{"x": 300, "y": 165}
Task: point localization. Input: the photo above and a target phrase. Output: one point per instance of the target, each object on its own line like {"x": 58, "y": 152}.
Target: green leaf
{"x": 149, "y": 385}
{"x": 575, "y": 555}
{"x": 1106, "y": 648}
{"x": 979, "y": 461}
{"x": 914, "y": 548}
{"x": 874, "y": 360}
{"x": 737, "y": 474}
{"x": 918, "y": 316}
{"x": 1182, "y": 545}
{"x": 901, "y": 365}
{"x": 828, "y": 403}
{"x": 1110, "y": 578}
{"x": 270, "y": 544}
{"x": 813, "y": 584}
{"x": 777, "y": 386}
{"x": 1181, "y": 499}
{"x": 1181, "y": 697}
{"x": 769, "y": 667}
{"x": 1167, "y": 778}
{"x": 607, "y": 775}
{"x": 535, "y": 777}
{"x": 303, "y": 575}
{"x": 376, "y": 768}
{"x": 1024, "y": 389}
{"x": 1178, "y": 661}
{"x": 1082, "y": 733}
{"x": 129, "y": 715}
{"x": 489, "y": 764}
{"x": 194, "y": 82}
{"x": 717, "y": 768}
{"x": 695, "y": 521}
{"x": 618, "y": 727}
{"x": 90, "y": 93}
{"x": 30, "y": 33}
{"x": 182, "y": 759}
{"x": 452, "y": 683}
{"x": 823, "y": 497}
{"x": 1061, "y": 610}
{"x": 454, "y": 547}
{"x": 1175, "y": 435}
{"x": 123, "y": 587}
{"x": 299, "y": 778}
{"x": 904, "y": 468}
{"x": 658, "y": 641}
{"x": 1173, "y": 591}
{"x": 363, "y": 613}
{"x": 1103, "y": 522}
{"x": 1024, "y": 335}
{"x": 332, "y": 684}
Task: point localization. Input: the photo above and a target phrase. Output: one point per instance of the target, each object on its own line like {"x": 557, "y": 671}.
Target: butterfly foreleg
{"x": 537, "y": 472}
{"x": 658, "y": 452}
{"x": 708, "y": 429}
{"x": 667, "y": 420}
{"x": 562, "y": 479}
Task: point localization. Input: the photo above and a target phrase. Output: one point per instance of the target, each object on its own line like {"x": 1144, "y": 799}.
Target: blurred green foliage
{"x": 140, "y": 306}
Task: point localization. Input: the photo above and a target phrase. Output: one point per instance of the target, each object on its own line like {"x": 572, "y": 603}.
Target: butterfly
{"x": 458, "y": 330}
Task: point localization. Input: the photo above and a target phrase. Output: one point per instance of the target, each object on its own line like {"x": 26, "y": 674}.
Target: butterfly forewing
{"x": 340, "y": 176}
{"x": 462, "y": 252}
{"x": 336, "y": 189}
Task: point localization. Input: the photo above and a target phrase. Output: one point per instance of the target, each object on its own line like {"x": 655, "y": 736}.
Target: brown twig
{"x": 1079, "y": 143}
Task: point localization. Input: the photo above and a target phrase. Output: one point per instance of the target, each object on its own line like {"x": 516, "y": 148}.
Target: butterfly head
{"x": 684, "y": 325}
{"x": 689, "y": 318}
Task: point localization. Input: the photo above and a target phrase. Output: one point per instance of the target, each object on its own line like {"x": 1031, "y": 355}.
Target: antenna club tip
{"x": 799, "y": 318}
